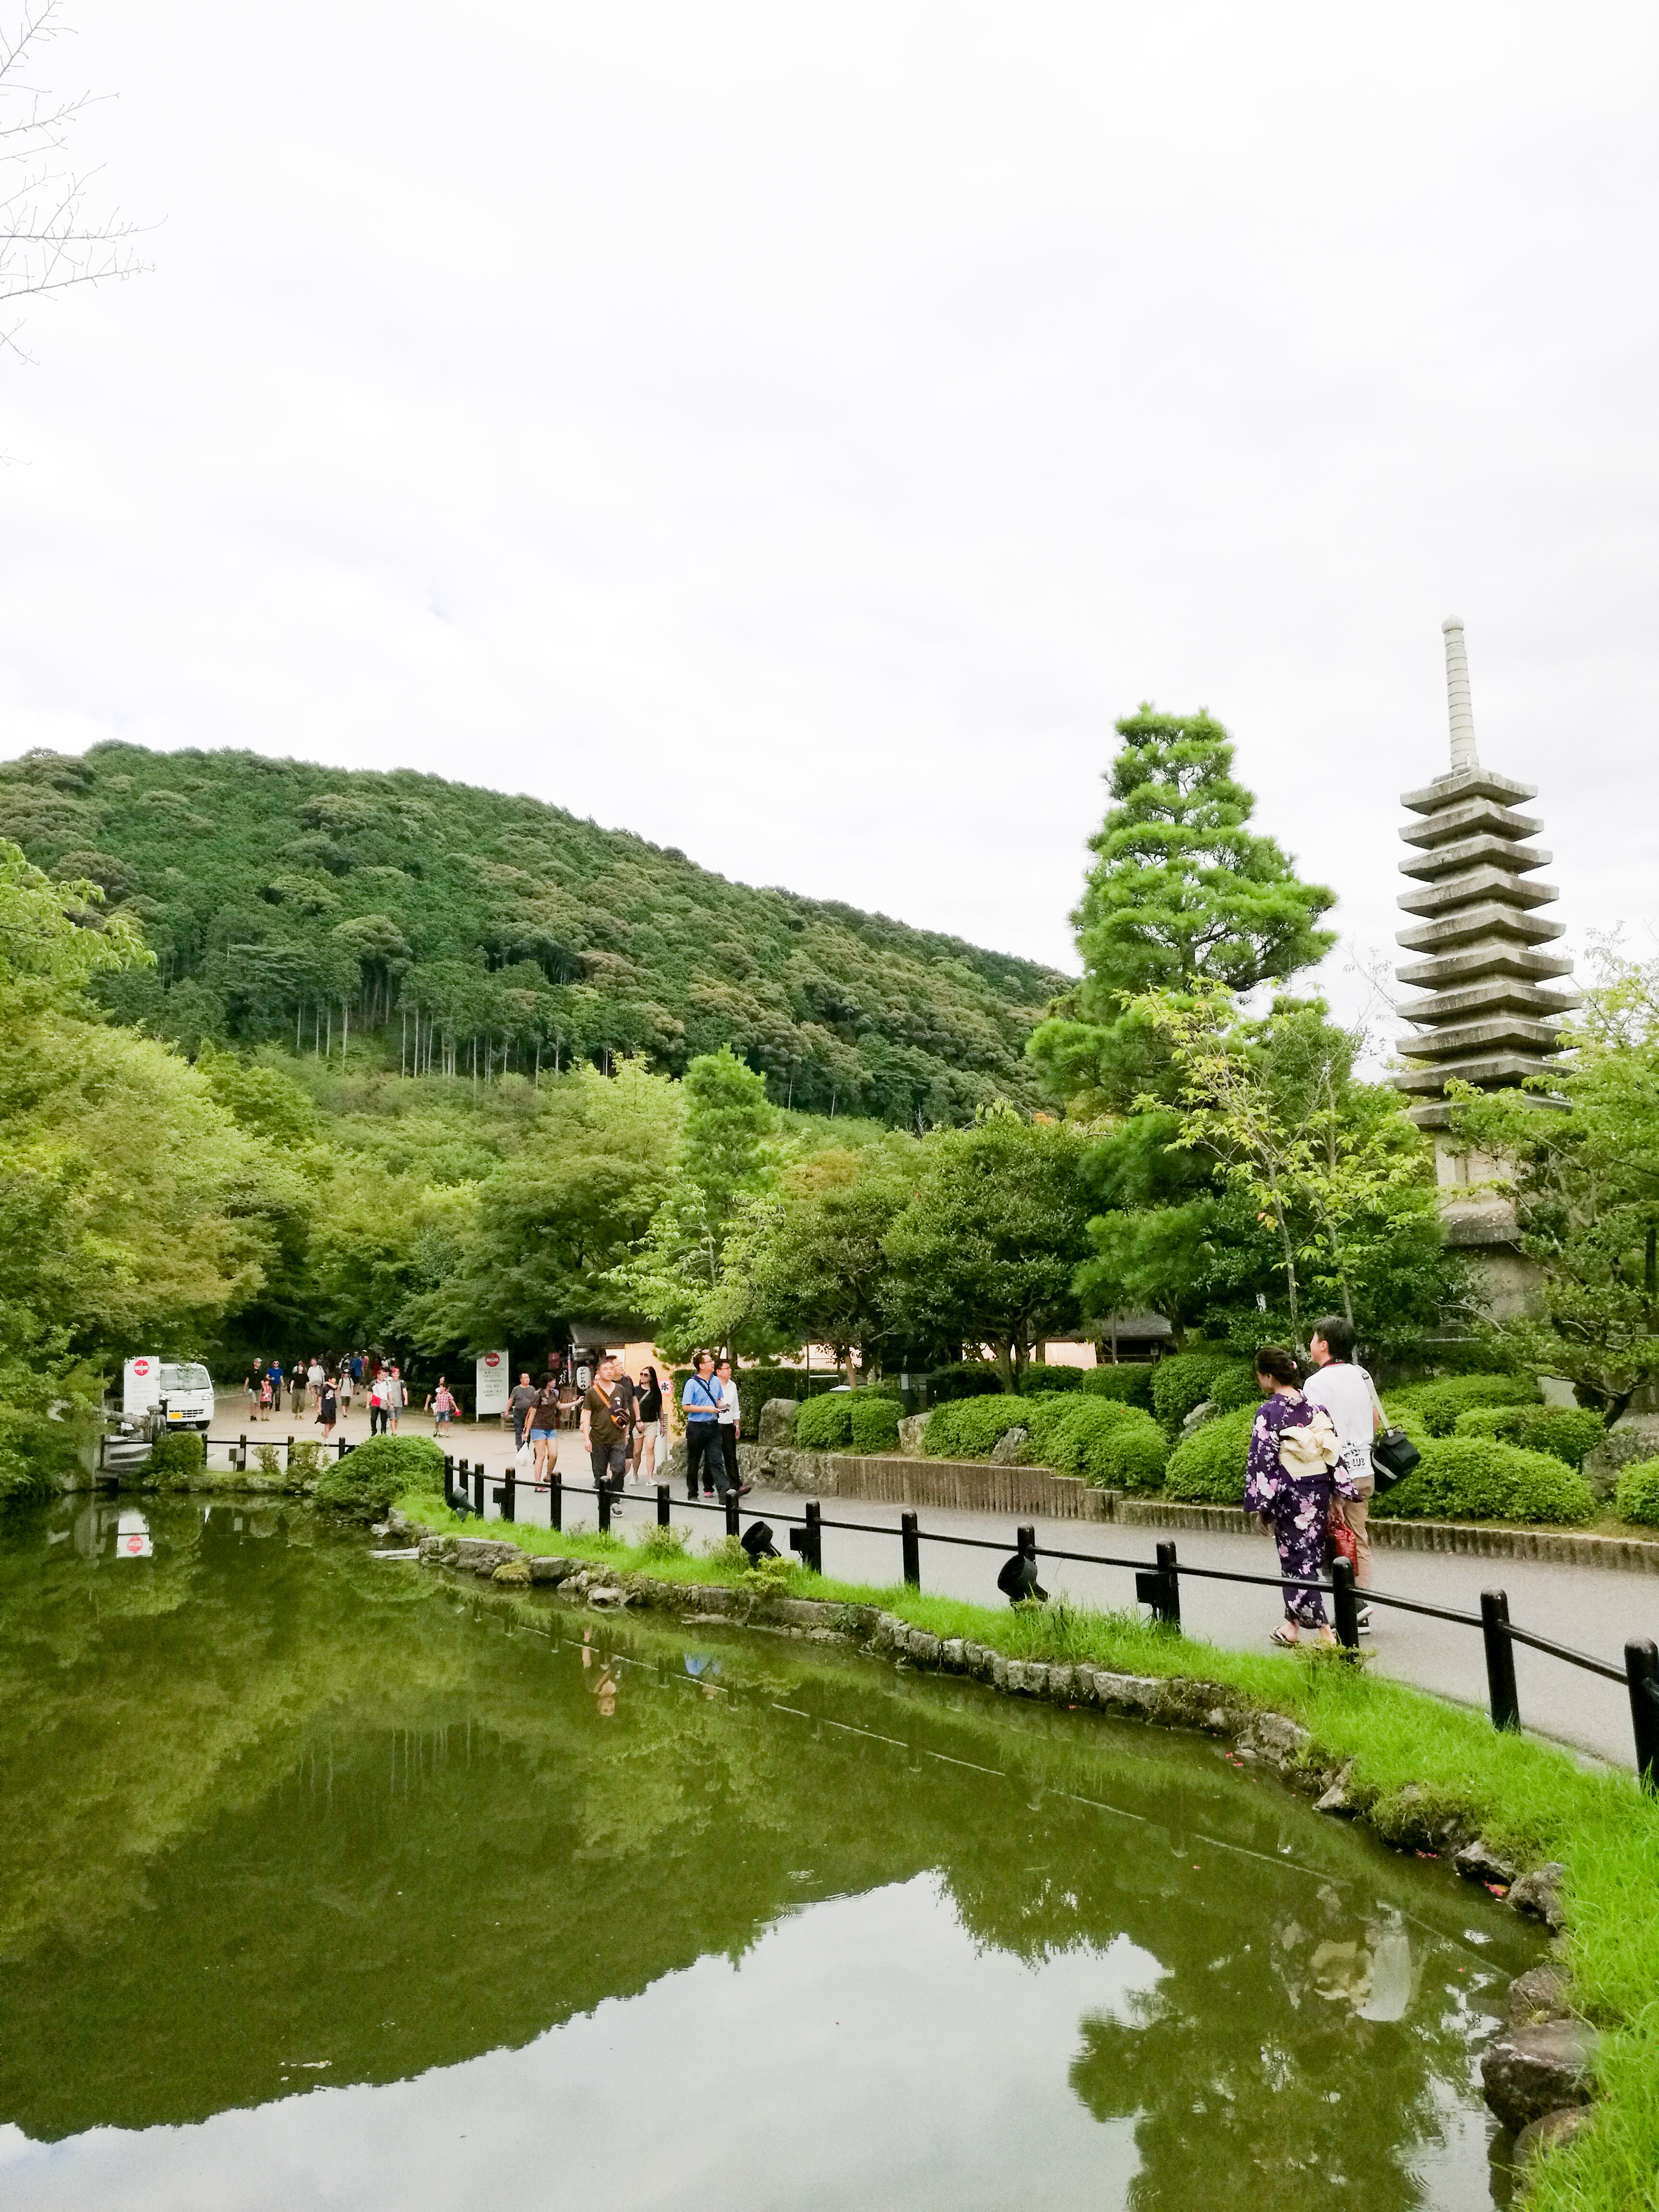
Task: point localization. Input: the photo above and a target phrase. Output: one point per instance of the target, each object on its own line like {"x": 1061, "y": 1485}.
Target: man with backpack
{"x": 1349, "y": 1396}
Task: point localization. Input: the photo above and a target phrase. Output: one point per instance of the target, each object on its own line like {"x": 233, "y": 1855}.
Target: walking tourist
{"x": 442, "y": 1406}
{"x": 255, "y": 1381}
{"x": 730, "y": 1425}
{"x": 652, "y": 1426}
{"x": 344, "y": 1386}
{"x": 525, "y": 1396}
{"x": 328, "y": 1407}
{"x": 274, "y": 1377}
{"x": 316, "y": 1378}
{"x": 1294, "y": 1470}
{"x": 265, "y": 1397}
{"x": 700, "y": 1402}
{"x": 296, "y": 1394}
{"x": 393, "y": 1396}
{"x": 1348, "y": 1395}
{"x": 356, "y": 1367}
{"x": 544, "y": 1427}
{"x": 608, "y": 1423}
{"x": 376, "y": 1409}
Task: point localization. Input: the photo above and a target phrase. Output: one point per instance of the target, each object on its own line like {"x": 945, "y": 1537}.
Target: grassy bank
{"x": 1529, "y": 1799}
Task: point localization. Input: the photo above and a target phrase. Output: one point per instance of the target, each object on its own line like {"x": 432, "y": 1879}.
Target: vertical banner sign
{"x": 493, "y": 1382}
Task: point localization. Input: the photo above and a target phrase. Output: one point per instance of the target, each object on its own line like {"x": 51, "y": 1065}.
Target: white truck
{"x": 182, "y": 1391}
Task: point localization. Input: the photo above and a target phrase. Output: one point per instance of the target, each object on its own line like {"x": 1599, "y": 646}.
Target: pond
{"x": 331, "y": 1883}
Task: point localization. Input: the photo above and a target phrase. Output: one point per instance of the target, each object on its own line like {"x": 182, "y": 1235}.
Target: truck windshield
{"x": 191, "y": 1378}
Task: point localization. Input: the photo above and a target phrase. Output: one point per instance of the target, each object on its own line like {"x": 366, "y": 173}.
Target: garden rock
{"x": 1633, "y": 1436}
{"x": 1201, "y": 1413}
{"x": 1538, "y": 1995}
{"x": 514, "y": 1574}
{"x": 912, "y": 1429}
{"x": 1336, "y": 1799}
{"x": 1006, "y": 1449}
{"x": 551, "y": 1570}
{"x": 777, "y": 1421}
{"x": 482, "y": 1555}
{"x": 1274, "y": 1737}
{"x": 1477, "y": 1862}
{"x": 1531, "y": 2071}
{"x": 1557, "y": 2127}
{"x": 1538, "y": 1895}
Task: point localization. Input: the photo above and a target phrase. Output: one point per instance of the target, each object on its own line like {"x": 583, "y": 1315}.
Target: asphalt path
{"x": 1589, "y": 1609}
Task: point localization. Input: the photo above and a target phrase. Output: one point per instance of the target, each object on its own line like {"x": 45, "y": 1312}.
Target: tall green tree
{"x": 1585, "y": 1184}
{"x": 988, "y": 1246}
{"x": 1183, "y": 898}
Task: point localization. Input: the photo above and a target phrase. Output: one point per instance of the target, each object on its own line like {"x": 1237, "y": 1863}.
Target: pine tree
{"x": 1182, "y": 896}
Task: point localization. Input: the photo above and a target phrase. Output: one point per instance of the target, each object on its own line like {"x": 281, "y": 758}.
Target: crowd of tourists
{"x": 623, "y": 1421}
{"x": 326, "y": 1387}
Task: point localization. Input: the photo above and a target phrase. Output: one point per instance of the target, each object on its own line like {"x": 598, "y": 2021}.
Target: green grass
{"x": 1527, "y": 1798}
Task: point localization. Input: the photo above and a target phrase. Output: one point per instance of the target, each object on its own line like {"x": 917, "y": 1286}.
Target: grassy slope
{"x": 1525, "y": 1797}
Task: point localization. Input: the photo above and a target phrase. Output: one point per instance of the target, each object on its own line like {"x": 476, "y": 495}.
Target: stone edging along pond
{"x": 1538, "y": 2076}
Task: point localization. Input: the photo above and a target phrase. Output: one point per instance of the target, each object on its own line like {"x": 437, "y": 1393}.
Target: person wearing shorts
{"x": 543, "y": 1428}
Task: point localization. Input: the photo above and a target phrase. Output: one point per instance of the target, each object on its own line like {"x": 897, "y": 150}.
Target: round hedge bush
{"x": 875, "y": 1419}
{"x": 1040, "y": 1378}
{"x": 1478, "y": 1478}
{"x": 1183, "y": 1382}
{"x": 825, "y": 1423}
{"x": 377, "y": 1473}
{"x": 1437, "y": 1404}
{"x": 1207, "y": 1468}
{"x": 969, "y": 1379}
{"x": 176, "y": 1456}
{"x": 1566, "y": 1432}
{"x": 969, "y": 1428}
{"x": 1637, "y": 1495}
{"x": 1131, "y": 1385}
{"x": 1234, "y": 1387}
{"x": 1109, "y": 1445}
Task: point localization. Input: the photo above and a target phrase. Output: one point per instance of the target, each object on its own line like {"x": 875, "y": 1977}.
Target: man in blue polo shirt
{"x": 700, "y": 1402}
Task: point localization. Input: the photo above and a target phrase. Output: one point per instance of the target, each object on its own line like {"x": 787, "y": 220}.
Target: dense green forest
{"x": 440, "y": 928}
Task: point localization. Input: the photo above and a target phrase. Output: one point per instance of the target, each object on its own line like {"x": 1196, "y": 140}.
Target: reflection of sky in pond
{"x": 330, "y": 1888}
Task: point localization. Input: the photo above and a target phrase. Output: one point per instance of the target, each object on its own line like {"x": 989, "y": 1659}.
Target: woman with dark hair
{"x": 652, "y": 1426}
{"x": 1293, "y": 1471}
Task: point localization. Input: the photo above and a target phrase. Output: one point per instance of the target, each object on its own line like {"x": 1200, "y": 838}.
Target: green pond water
{"x": 329, "y": 1883}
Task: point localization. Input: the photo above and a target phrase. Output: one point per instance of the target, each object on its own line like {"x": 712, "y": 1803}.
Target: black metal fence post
{"x": 478, "y": 1490}
{"x": 1025, "y": 1539}
{"x": 1641, "y": 1672}
{"x": 1169, "y": 1577}
{"x": 1500, "y": 1660}
{"x": 241, "y": 1454}
{"x": 662, "y": 1505}
{"x": 341, "y": 1448}
{"x": 730, "y": 1503}
{"x": 509, "y": 1496}
{"x": 911, "y": 1542}
{"x": 1344, "y": 1605}
{"x": 602, "y": 1499}
{"x": 813, "y": 1550}
{"x": 554, "y": 1498}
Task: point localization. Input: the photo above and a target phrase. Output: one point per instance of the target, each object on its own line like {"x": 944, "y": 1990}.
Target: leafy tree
{"x": 988, "y": 1247}
{"x": 131, "y": 1204}
{"x": 1586, "y": 1186}
{"x": 1289, "y": 1176}
{"x": 1183, "y": 898}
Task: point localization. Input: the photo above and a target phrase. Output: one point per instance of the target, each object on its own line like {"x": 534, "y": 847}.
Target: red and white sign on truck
{"x": 182, "y": 1390}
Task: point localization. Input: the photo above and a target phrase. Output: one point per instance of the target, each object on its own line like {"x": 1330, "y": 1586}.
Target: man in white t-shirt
{"x": 1349, "y": 1396}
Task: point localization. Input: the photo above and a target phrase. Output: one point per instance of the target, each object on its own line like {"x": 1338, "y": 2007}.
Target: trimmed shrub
{"x": 825, "y": 1424}
{"x": 969, "y": 1379}
{"x": 1235, "y": 1388}
{"x": 1566, "y": 1432}
{"x": 1131, "y": 1385}
{"x": 1477, "y": 1478}
{"x": 176, "y": 1455}
{"x": 969, "y": 1428}
{"x": 1437, "y": 1404}
{"x": 1207, "y": 1468}
{"x": 756, "y": 1384}
{"x": 1181, "y": 1384}
{"x": 1039, "y": 1379}
{"x": 875, "y": 1419}
{"x": 377, "y": 1473}
{"x": 1637, "y": 1495}
{"x": 1115, "y": 1447}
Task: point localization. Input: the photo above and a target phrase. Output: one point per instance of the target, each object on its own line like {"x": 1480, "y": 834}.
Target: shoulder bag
{"x": 1393, "y": 1452}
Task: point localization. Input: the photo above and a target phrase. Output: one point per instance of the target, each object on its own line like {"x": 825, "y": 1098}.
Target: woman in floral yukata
{"x": 1293, "y": 1471}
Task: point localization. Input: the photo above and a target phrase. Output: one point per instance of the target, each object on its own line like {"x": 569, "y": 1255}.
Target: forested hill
{"x": 445, "y": 926}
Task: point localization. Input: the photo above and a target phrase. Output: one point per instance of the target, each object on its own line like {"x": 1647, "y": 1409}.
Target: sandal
{"x": 1282, "y": 1635}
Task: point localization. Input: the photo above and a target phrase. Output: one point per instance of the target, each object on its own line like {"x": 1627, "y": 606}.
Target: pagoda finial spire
{"x": 1463, "y": 755}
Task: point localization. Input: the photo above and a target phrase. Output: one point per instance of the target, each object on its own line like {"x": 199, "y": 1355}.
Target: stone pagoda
{"x": 1490, "y": 1009}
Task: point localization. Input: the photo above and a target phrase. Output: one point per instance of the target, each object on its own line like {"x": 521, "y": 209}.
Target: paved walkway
{"x": 1592, "y": 1609}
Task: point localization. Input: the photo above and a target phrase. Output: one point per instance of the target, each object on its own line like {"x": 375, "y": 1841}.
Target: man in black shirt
{"x": 608, "y": 1417}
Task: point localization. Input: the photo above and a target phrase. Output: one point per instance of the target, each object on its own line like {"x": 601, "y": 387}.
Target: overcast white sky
{"x": 797, "y": 432}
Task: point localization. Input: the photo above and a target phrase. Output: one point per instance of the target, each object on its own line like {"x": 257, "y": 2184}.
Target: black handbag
{"x": 1393, "y": 1454}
